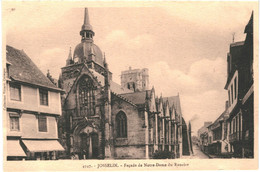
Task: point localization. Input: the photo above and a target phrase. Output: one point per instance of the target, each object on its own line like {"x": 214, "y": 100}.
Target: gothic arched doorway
{"x": 89, "y": 145}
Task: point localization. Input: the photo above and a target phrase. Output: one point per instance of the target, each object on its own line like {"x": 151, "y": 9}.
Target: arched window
{"x": 86, "y": 97}
{"x": 121, "y": 125}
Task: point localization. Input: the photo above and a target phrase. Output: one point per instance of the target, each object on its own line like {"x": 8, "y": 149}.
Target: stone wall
{"x": 134, "y": 145}
{"x": 130, "y": 152}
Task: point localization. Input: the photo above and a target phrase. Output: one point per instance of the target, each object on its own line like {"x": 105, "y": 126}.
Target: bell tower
{"x": 135, "y": 79}
{"x": 87, "y": 32}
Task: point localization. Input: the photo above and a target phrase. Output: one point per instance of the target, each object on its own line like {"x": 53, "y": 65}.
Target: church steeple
{"x": 86, "y": 32}
{"x": 69, "y": 59}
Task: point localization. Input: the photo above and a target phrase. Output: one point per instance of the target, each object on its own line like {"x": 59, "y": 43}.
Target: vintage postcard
{"x": 100, "y": 86}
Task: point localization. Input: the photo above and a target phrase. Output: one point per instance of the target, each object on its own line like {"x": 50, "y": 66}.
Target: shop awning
{"x": 43, "y": 145}
{"x": 14, "y": 148}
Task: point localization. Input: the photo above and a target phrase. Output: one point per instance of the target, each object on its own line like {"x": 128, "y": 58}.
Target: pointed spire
{"x": 50, "y": 77}
{"x": 161, "y": 99}
{"x": 105, "y": 58}
{"x": 105, "y": 61}
{"x": 86, "y": 29}
{"x": 146, "y": 95}
{"x": 69, "y": 59}
{"x": 86, "y": 25}
{"x": 48, "y": 72}
{"x": 107, "y": 73}
{"x": 70, "y": 56}
{"x": 60, "y": 81}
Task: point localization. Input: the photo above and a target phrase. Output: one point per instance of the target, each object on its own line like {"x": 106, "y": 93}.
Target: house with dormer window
{"x": 33, "y": 106}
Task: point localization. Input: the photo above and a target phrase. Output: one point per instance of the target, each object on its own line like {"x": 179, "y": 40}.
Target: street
{"x": 197, "y": 154}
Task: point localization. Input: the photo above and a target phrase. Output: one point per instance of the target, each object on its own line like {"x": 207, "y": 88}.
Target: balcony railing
{"x": 235, "y": 136}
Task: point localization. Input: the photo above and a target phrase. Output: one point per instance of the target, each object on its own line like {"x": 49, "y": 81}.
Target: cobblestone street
{"x": 197, "y": 154}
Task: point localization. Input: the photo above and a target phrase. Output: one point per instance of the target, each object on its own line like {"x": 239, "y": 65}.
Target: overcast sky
{"x": 184, "y": 45}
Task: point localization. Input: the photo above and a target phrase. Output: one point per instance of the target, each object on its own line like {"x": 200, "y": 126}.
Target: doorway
{"x": 89, "y": 146}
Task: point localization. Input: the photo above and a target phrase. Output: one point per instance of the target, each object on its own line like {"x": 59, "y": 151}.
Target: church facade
{"x": 104, "y": 120}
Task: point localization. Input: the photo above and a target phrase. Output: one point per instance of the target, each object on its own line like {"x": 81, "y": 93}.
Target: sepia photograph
{"x": 130, "y": 86}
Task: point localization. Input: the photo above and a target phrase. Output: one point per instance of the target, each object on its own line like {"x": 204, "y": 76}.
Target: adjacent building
{"x": 240, "y": 92}
{"x": 233, "y": 131}
{"x": 204, "y": 136}
{"x": 33, "y": 106}
{"x": 135, "y": 79}
{"x": 218, "y": 143}
{"x": 102, "y": 119}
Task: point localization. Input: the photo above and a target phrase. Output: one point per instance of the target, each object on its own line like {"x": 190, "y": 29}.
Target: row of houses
{"x": 232, "y": 133}
{"x": 85, "y": 113}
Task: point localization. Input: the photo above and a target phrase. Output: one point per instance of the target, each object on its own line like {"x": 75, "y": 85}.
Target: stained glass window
{"x": 86, "y": 97}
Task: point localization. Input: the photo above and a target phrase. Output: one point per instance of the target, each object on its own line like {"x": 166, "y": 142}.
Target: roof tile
{"x": 23, "y": 69}
{"x": 137, "y": 98}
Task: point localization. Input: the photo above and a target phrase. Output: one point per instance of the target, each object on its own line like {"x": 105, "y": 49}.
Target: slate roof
{"x": 23, "y": 69}
{"x": 223, "y": 116}
{"x": 137, "y": 98}
{"x": 234, "y": 44}
{"x": 249, "y": 26}
{"x": 116, "y": 88}
{"x": 204, "y": 127}
{"x": 123, "y": 98}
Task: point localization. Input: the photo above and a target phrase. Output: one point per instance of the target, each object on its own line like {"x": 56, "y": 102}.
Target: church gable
{"x": 118, "y": 100}
{"x": 133, "y": 120}
{"x": 100, "y": 79}
{"x": 76, "y": 95}
{"x": 69, "y": 75}
{"x": 85, "y": 72}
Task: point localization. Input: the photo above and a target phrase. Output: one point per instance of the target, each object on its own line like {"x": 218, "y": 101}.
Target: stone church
{"x": 104, "y": 120}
